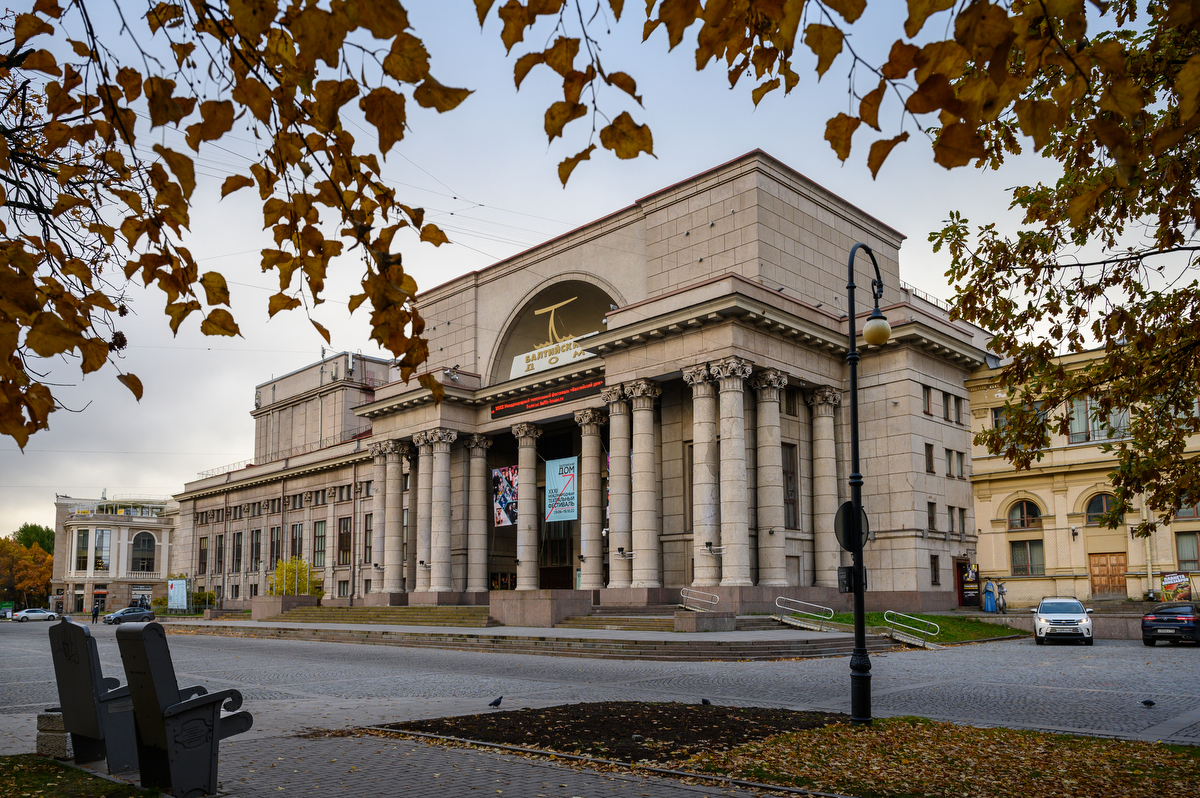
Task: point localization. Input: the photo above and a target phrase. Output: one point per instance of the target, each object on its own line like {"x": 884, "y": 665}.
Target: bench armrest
{"x": 112, "y": 695}
{"x": 191, "y": 692}
{"x": 232, "y": 699}
{"x": 109, "y": 683}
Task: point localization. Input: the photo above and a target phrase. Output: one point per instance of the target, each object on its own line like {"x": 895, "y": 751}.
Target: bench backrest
{"x": 77, "y": 671}
{"x": 151, "y": 676}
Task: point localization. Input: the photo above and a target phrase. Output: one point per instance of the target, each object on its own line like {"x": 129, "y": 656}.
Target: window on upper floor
{"x": 931, "y": 516}
{"x": 791, "y": 490}
{"x": 958, "y": 410}
{"x": 1098, "y": 506}
{"x": 1086, "y": 426}
{"x": 999, "y": 419}
{"x": 927, "y": 400}
{"x": 1024, "y": 515}
{"x": 929, "y": 469}
{"x": 935, "y": 571}
{"x": 949, "y": 463}
{"x": 1187, "y": 547}
{"x": 947, "y": 406}
{"x": 1028, "y": 558}
{"x": 960, "y": 459}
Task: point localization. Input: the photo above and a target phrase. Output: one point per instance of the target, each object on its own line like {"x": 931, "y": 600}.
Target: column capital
{"x": 825, "y": 396}
{"x": 732, "y": 367}
{"x": 478, "y": 444}
{"x": 441, "y": 438}
{"x": 768, "y": 383}
{"x": 380, "y": 448}
{"x": 422, "y": 439}
{"x": 590, "y": 417}
{"x": 526, "y": 433}
{"x": 697, "y": 375}
{"x": 640, "y": 389}
{"x": 613, "y": 395}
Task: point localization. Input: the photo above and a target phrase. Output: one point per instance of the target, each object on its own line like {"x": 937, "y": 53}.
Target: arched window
{"x": 1024, "y": 515}
{"x": 143, "y": 552}
{"x": 1100, "y": 504}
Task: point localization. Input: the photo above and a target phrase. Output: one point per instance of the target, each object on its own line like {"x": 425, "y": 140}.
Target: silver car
{"x": 34, "y": 615}
{"x": 1061, "y": 618}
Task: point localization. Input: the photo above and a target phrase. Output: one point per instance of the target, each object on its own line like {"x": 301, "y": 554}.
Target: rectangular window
{"x": 100, "y": 563}
{"x": 202, "y": 561}
{"x": 791, "y": 402}
{"x": 254, "y": 590}
{"x": 319, "y": 544}
{"x": 931, "y": 513}
{"x": 297, "y": 541}
{"x": 220, "y": 511}
{"x": 947, "y": 404}
{"x": 959, "y": 465}
{"x": 1028, "y": 558}
{"x": 255, "y": 549}
{"x": 368, "y": 530}
{"x": 237, "y": 552}
{"x": 1086, "y": 426}
{"x": 344, "y": 536}
{"x": 367, "y": 488}
{"x": 998, "y": 418}
{"x": 407, "y": 481}
{"x": 927, "y": 400}
{"x": 237, "y": 590}
{"x": 366, "y": 586}
{"x": 791, "y": 492}
{"x": 1188, "y": 548}
{"x": 81, "y": 550}
{"x": 318, "y": 496}
{"x": 219, "y": 556}
{"x": 297, "y": 502}
{"x": 276, "y": 505}
{"x": 235, "y": 512}
{"x": 950, "y": 519}
{"x": 343, "y": 588}
{"x": 935, "y": 571}
{"x": 276, "y": 546}
{"x": 962, "y": 521}
{"x": 929, "y": 459}
{"x": 958, "y": 410}
{"x": 949, "y": 463}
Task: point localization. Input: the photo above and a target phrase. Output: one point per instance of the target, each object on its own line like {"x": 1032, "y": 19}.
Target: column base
{"x": 448, "y": 598}
{"x": 385, "y": 599}
{"x": 539, "y": 608}
{"x": 737, "y": 583}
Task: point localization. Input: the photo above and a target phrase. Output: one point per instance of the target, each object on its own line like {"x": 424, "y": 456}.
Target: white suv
{"x": 1061, "y": 618}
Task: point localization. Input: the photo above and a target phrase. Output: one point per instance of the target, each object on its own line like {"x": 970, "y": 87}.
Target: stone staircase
{"x": 629, "y": 623}
{"x": 471, "y": 617}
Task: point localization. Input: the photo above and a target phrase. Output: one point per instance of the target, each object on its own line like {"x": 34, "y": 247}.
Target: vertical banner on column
{"x": 562, "y": 489}
{"x": 504, "y": 495}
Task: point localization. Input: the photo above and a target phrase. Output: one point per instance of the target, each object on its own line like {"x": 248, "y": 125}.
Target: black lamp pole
{"x": 875, "y": 331}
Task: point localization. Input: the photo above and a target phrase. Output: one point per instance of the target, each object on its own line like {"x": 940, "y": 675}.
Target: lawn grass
{"x": 909, "y": 757}
{"x": 954, "y": 629}
{"x": 33, "y": 775}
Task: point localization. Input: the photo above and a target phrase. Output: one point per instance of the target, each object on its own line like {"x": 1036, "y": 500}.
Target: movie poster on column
{"x": 562, "y": 488}
{"x": 504, "y": 495}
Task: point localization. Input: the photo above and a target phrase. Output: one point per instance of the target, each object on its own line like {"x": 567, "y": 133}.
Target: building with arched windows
{"x": 1039, "y": 529}
{"x": 654, "y": 401}
{"x": 110, "y": 552}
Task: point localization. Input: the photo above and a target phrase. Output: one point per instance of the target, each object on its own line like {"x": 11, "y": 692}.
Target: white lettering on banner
{"x": 561, "y": 490}
{"x": 549, "y": 356}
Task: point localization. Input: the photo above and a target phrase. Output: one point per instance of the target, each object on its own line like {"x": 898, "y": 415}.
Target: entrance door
{"x": 1108, "y": 574}
{"x": 966, "y": 582}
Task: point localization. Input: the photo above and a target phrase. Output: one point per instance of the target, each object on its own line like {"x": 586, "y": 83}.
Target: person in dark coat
{"x": 95, "y": 612}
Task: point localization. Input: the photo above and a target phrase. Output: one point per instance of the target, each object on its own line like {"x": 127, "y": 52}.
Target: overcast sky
{"x": 486, "y": 175}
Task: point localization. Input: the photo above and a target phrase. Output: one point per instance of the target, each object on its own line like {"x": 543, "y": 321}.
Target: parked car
{"x": 1061, "y": 618}
{"x": 1172, "y": 621}
{"x": 34, "y": 614}
{"x": 129, "y": 615}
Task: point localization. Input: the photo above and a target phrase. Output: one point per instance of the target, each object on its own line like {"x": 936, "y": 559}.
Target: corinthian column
{"x": 645, "y": 477}
{"x": 424, "y": 444}
{"x": 705, "y": 494}
{"x": 620, "y": 520}
{"x": 379, "y": 514}
{"x": 439, "y": 534}
{"x": 827, "y": 554}
{"x": 480, "y": 506}
{"x": 408, "y": 453}
{"x": 527, "y": 509}
{"x": 735, "y": 527}
{"x": 591, "y": 510}
{"x": 393, "y": 568}
{"x": 772, "y": 555}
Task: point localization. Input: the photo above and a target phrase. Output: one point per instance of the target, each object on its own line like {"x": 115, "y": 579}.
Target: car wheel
{"x": 151, "y": 618}
{"x": 23, "y": 620}
{"x": 51, "y": 617}
{"x": 1039, "y": 640}
{"x": 1148, "y": 641}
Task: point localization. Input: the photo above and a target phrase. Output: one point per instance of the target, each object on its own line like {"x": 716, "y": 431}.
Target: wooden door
{"x": 1108, "y": 574}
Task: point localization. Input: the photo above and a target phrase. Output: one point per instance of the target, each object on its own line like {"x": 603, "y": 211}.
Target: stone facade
{"x": 1038, "y": 529}
{"x": 682, "y": 363}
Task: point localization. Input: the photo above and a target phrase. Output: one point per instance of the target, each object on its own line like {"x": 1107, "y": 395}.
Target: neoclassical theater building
{"x": 656, "y": 400}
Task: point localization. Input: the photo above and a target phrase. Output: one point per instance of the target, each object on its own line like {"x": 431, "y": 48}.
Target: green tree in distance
{"x": 1107, "y": 91}
{"x": 295, "y": 577}
{"x": 29, "y": 534}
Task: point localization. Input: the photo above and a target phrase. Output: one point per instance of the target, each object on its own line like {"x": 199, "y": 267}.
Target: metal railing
{"x": 930, "y": 629}
{"x": 824, "y": 614}
{"x": 333, "y": 440}
{"x": 930, "y": 298}
{"x": 687, "y": 594}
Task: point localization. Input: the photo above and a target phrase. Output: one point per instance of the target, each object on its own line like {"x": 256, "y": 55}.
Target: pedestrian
{"x": 95, "y": 612}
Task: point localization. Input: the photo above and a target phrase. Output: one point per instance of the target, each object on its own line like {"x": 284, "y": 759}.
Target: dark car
{"x": 1173, "y": 621}
{"x": 129, "y": 615}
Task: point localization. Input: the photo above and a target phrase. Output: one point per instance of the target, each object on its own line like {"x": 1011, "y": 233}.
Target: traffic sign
{"x": 841, "y": 524}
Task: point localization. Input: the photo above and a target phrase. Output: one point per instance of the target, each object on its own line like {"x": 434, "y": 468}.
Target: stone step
{"x": 757, "y": 623}
{"x": 629, "y": 624}
{"x": 660, "y": 650}
{"x": 476, "y": 617}
{"x": 624, "y": 611}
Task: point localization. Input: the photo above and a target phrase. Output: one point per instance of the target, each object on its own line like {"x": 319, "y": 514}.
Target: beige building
{"x": 653, "y": 401}
{"x": 110, "y": 552}
{"x": 1039, "y": 529}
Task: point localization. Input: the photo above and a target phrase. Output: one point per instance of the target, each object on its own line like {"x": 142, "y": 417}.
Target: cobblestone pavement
{"x": 291, "y": 685}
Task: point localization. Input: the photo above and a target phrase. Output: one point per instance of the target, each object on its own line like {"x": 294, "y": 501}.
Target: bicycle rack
{"x": 699, "y": 597}
{"x": 931, "y": 629}
{"x": 824, "y": 614}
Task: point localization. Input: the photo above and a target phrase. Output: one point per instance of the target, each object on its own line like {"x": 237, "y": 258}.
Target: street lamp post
{"x": 876, "y": 331}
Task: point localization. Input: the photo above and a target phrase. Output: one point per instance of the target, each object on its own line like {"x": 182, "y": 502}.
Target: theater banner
{"x": 562, "y": 488}
{"x": 504, "y": 495}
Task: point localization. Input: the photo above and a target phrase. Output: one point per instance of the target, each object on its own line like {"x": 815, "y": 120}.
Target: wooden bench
{"x": 178, "y": 731}
{"x": 96, "y": 711}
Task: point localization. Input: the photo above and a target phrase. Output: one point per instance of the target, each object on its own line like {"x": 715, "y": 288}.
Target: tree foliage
{"x": 1108, "y": 91}
{"x": 295, "y": 577}
{"x": 29, "y": 534}
{"x": 25, "y": 572}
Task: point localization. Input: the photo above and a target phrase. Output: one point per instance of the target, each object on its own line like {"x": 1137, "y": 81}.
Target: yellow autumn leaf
{"x": 958, "y": 145}
{"x": 321, "y": 329}
{"x": 431, "y": 94}
{"x": 762, "y": 89}
{"x": 408, "y": 60}
{"x": 568, "y": 165}
{"x": 49, "y": 335}
{"x": 216, "y": 120}
{"x": 921, "y": 10}
{"x": 1038, "y": 119}
{"x": 626, "y": 138}
{"x": 182, "y": 166}
{"x": 132, "y": 383}
{"x": 559, "y": 114}
{"x": 826, "y": 42}
{"x": 42, "y": 61}
{"x": 384, "y": 109}
{"x": 1082, "y": 205}
{"x": 233, "y": 183}
{"x": 219, "y": 322}
{"x": 65, "y": 203}
{"x": 1187, "y": 88}
{"x": 279, "y": 302}
{"x": 850, "y": 10}
{"x": 838, "y": 132}
{"x": 432, "y": 234}
{"x": 216, "y": 290}
{"x": 868, "y": 109}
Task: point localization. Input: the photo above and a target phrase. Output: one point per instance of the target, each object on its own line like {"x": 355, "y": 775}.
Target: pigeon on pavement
{"x": 1148, "y": 702}
{"x": 496, "y": 703}
{"x": 705, "y": 701}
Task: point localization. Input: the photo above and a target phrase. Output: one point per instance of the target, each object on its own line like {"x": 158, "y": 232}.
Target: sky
{"x": 487, "y": 176}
